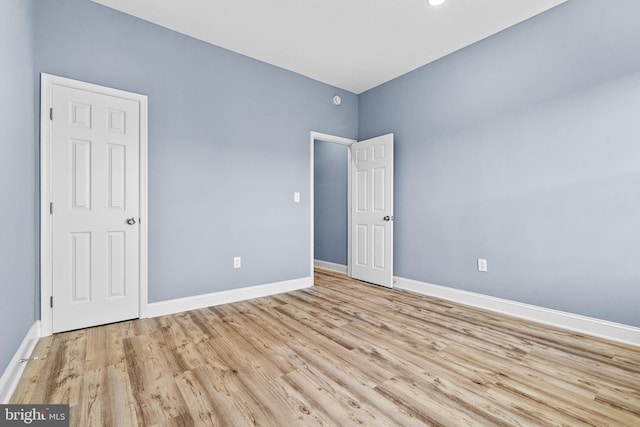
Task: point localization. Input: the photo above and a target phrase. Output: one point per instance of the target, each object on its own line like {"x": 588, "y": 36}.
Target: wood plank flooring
{"x": 342, "y": 353}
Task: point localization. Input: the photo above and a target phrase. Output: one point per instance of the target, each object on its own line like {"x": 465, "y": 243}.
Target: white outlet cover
{"x": 482, "y": 264}
{"x": 237, "y": 262}
{"x": 296, "y": 197}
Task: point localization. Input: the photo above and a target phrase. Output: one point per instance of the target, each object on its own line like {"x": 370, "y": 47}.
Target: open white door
{"x": 372, "y": 210}
{"x": 94, "y": 189}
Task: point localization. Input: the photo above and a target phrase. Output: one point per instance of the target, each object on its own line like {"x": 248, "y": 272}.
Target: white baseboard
{"x": 574, "y": 322}
{"x": 225, "y": 297}
{"x": 330, "y": 266}
{"x": 13, "y": 372}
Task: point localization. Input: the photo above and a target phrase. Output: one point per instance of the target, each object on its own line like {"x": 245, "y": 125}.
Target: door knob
{"x": 388, "y": 218}
{"x": 131, "y": 221}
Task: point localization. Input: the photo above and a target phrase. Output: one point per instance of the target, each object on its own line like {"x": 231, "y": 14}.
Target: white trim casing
{"x": 143, "y": 224}
{"x": 560, "y": 319}
{"x": 46, "y": 83}
{"x": 318, "y": 136}
{"x": 318, "y": 263}
{"x": 179, "y": 305}
{"x": 13, "y": 372}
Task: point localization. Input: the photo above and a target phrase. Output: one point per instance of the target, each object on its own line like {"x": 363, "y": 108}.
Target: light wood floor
{"x": 343, "y": 353}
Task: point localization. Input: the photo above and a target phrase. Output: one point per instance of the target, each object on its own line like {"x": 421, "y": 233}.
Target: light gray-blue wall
{"x": 17, "y": 176}
{"x": 228, "y": 144}
{"x": 524, "y": 149}
{"x": 330, "y": 202}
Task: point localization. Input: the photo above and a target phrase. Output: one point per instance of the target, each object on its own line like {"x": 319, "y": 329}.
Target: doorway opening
{"x": 333, "y": 253}
{"x": 369, "y": 208}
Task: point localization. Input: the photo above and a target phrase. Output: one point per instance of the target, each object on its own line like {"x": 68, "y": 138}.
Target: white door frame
{"x": 46, "y": 243}
{"x": 317, "y": 136}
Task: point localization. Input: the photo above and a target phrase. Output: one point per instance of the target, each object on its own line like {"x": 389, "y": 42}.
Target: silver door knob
{"x": 388, "y": 218}
{"x": 131, "y": 221}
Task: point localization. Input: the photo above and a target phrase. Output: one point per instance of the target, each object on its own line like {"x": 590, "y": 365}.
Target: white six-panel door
{"x": 372, "y": 210}
{"x": 95, "y": 196}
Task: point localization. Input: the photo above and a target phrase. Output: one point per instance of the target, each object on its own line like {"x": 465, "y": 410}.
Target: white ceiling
{"x": 352, "y": 44}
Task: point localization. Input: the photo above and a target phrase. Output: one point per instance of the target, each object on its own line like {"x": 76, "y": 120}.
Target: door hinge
{"x": 51, "y": 301}
{"x": 51, "y": 208}
{"x": 50, "y": 113}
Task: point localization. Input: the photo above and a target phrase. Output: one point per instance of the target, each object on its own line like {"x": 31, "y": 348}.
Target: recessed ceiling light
{"x": 436, "y": 2}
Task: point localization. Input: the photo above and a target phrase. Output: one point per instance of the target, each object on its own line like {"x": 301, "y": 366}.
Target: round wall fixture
{"x": 337, "y": 100}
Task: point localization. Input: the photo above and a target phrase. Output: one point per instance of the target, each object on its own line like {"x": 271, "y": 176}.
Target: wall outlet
{"x": 482, "y": 264}
{"x": 237, "y": 262}
{"x": 296, "y": 197}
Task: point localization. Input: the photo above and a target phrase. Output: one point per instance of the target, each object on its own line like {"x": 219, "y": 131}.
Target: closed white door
{"x": 95, "y": 196}
{"x": 372, "y": 210}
